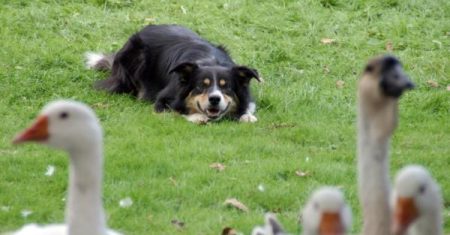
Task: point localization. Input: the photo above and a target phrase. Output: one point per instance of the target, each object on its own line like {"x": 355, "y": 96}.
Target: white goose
{"x": 417, "y": 203}
{"x": 74, "y": 128}
{"x": 326, "y": 213}
{"x": 381, "y": 85}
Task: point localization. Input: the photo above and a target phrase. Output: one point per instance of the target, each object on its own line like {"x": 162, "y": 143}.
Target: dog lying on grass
{"x": 178, "y": 70}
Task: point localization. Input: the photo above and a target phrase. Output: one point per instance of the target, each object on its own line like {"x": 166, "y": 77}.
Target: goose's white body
{"x": 34, "y": 229}
{"x": 74, "y": 128}
{"x": 423, "y": 215}
{"x": 52, "y": 229}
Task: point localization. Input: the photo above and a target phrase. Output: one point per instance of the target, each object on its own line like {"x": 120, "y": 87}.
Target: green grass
{"x": 302, "y": 115}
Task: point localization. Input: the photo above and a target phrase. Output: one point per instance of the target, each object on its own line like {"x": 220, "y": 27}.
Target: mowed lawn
{"x": 306, "y": 121}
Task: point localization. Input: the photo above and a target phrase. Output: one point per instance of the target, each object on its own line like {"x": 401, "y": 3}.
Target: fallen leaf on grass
{"x": 340, "y": 84}
{"x": 218, "y": 166}
{"x": 326, "y": 69}
{"x": 236, "y": 204}
{"x": 101, "y": 105}
{"x": 177, "y": 223}
{"x": 432, "y": 83}
{"x": 150, "y": 218}
{"x": 150, "y": 20}
{"x": 389, "y": 46}
{"x": 281, "y": 125}
{"x": 438, "y": 43}
{"x": 173, "y": 181}
{"x": 302, "y": 173}
{"x": 448, "y": 88}
{"x": 327, "y": 41}
{"x": 183, "y": 9}
{"x": 229, "y": 231}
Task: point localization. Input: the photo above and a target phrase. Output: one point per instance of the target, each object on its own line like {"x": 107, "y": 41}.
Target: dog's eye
{"x": 206, "y": 81}
{"x": 222, "y": 82}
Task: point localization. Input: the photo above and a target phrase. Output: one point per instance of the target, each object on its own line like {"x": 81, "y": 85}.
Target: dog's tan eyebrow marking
{"x": 222, "y": 82}
{"x": 207, "y": 81}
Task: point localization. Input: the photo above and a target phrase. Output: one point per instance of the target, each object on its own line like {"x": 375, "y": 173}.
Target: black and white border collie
{"x": 178, "y": 70}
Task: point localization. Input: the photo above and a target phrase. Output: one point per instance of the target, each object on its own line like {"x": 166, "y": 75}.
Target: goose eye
{"x": 316, "y": 206}
{"x": 422, "y": 189}
{"x": 63, "y": 115}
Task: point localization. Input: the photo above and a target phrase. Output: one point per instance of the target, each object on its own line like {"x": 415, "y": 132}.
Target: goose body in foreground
{"x": 73, "y": 127}
{"x": 417, "y": 203}
{"x": 382, "y": 83}
{"x": 54, "y": 229}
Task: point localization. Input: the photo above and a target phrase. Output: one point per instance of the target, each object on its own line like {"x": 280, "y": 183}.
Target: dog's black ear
{"x": 184, "y": 70}
{"x": 245, "y": 73}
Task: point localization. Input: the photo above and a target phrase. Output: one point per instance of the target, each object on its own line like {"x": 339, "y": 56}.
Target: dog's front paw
{"x": 161, "y": 107}
{"x": 197, "y": 118}
{"x": 248, "y": 118}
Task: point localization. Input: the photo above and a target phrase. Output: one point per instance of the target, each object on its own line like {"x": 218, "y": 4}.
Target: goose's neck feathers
{"x": 430, "y": 221}
{"x": 430, "y": 224}
{"x": 375, "y": 125}
{"x": 85, "y": 214}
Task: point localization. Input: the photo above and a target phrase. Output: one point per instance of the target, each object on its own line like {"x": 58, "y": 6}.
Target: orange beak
{"x": 405, "y": 213}
{"x": 330, "y": 224}
{"x": 37, "y": 132}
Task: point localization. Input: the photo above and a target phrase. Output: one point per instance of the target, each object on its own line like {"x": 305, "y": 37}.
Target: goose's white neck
{"x": 376, "y": 121}
{"x": 430, "y": 221}
{"x": 428, "y": 224}
{"x": 85, "y": 213}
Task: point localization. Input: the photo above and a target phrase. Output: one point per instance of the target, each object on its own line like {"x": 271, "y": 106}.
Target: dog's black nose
{"x": 214, "y": 100}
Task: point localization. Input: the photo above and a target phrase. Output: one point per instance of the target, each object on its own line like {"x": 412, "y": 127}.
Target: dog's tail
{"x": 99, "y": 61}
{"x": 126, "y": 65}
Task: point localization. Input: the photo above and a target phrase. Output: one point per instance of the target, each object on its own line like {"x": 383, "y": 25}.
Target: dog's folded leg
{"x": 161, "y": 106}
{"x": 164, "y": 99}
{"x": 197, "y": 118}
{"x": 248, "y": 115}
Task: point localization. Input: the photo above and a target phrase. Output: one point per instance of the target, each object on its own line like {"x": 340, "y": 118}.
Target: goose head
{"x": 326, "y": 213}
{"x": 64, "y": 124}
{"x": 415, "y": 194}
{"x": 384, "y": 77}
